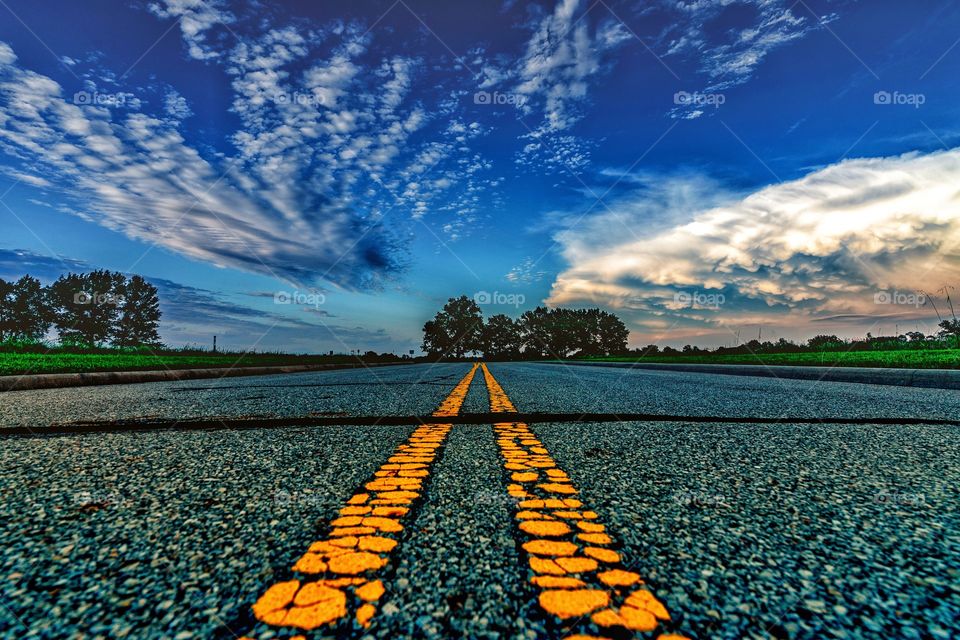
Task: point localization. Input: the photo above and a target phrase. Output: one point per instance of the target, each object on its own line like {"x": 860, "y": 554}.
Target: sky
{"x": 319, "y": 177}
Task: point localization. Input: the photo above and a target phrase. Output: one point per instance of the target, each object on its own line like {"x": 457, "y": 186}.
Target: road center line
{"x": 572, "y": 561}
{"x": 335, "y": 582}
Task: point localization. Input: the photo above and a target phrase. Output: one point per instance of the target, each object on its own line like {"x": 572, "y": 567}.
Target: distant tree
{"x": 950, "y": 328}
{"x": 138, "y": 319}
{"x": 612, "y": 334}
{"x": 28, "y": 313}
{"x": 823, "y": 342}
{"x": 6, "y": 309}
{"x": 456, "y": 330}
{"x": 87, "y": 306}
{"x": 501, "y": 337}
{"x": 535, "y": 332}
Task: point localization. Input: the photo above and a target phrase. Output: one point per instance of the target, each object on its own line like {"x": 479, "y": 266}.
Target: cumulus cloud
{"x": 821, "y": 247}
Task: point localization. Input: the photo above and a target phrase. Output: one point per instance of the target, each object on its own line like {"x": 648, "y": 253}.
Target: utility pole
{"x": 214, "y": 344}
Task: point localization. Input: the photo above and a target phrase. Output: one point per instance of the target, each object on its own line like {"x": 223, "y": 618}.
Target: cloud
{"x": 549, "y": 82}
{"x": 196, "y": 19}
{"x": 331, "y": 142}
{"x": 823, "y": 246}
{"x": 526, "y": 272}
{"x": 19, "y": 262}
{"x": 729, "y": 49}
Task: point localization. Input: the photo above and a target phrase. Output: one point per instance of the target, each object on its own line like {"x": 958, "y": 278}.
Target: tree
{"x": 501, "y": 338}
{"x": 612, "y": 334}
{"x": 535, "y": 332}
{"x": 28, "y": 316}
{"x": 824, "y": 342}
{"x": 138, "y": 319}
{"x": 950, "y": 328}
{"x": 456, "y": 330}
{"x": 6, "y": 308}
{"x": 87, "y": 306}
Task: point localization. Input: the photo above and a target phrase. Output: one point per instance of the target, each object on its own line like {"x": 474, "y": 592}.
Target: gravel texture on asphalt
{"x": 164, "y": 535}
{"x": 399, "y": 390}
{"x": 552, "y": 387}
{"x": 460, "y": 574}
{"x": 757, "y": 531}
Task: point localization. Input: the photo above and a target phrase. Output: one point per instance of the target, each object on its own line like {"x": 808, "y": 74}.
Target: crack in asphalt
{"x": 216, "y": 423}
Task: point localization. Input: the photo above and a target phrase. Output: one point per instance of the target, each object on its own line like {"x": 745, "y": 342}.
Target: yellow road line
{"x": 579, "y": 576}
{"x": 336, "y": 579}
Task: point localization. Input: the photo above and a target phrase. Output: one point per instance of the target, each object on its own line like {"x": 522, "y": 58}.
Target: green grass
{"x": 23, "y": 363}
{"x": 904, "y": 358}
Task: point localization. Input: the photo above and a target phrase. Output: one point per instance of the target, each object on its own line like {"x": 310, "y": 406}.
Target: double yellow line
{"x": 336, "y": 579}
{"x": 579, "y": 576}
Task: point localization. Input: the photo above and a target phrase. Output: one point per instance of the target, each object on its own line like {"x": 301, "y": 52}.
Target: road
{"x": 683, "y": 529}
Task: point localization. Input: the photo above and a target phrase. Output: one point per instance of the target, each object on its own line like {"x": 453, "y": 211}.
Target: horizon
{"x": 314, "y": 178}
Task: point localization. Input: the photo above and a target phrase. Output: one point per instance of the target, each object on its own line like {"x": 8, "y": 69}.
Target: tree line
{"x": 459, "y": 329}
{"x": 86, "y": 309}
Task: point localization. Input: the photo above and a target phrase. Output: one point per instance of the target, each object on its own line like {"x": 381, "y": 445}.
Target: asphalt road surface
{"x": 507, "y": 530}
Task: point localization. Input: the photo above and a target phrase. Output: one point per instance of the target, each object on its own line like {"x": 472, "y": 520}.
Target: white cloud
{"x": 788, "y": 254}
{"x": 329, "y": 135}
{"x": 196, "y": 19}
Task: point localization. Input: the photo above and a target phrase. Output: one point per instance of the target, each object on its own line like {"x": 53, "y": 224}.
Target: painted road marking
{"x": 335, "y": 582}
{"x": 571, "y": 556}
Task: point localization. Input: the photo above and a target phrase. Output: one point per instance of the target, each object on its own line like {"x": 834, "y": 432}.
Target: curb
{"x": 61, "y": 380}
{"x": 925, "y": 378}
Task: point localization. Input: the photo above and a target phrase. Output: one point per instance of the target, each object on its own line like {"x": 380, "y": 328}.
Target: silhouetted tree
{"x": 138, "y": 321}
{"x": 6, "y": 306}
{"x": 27, "y": 310}
{"x": 825, "y": 342}
{"x": 535, "y": 332}
{"x": 87, "y": 306}
{"x": 456, "y": 330}
{"x": 501, "y": 338}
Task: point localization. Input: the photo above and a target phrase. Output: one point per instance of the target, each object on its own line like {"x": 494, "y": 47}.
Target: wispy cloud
{"x": 332, "y": 155}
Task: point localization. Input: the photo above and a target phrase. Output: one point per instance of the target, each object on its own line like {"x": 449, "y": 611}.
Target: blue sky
{"x": 702, "y": 168}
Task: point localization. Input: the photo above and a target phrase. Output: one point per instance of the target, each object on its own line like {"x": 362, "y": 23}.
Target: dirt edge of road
{"x": 927, "y": 378}
{"x": 60, "y": 380}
